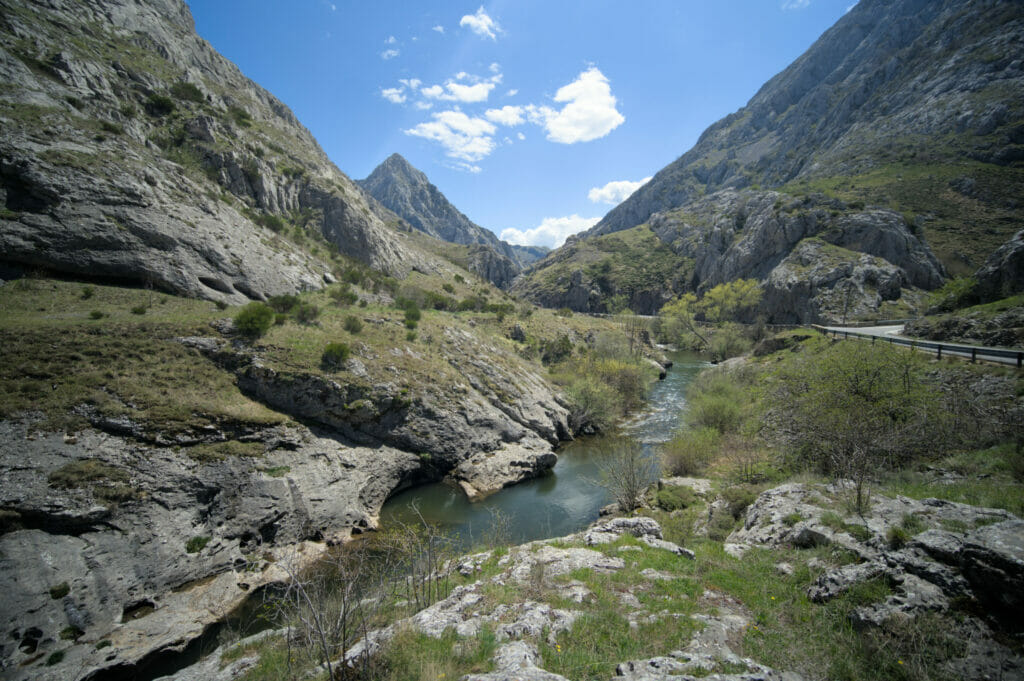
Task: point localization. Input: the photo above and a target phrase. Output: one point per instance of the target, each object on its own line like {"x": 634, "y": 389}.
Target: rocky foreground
{"x": 955, "y": 559}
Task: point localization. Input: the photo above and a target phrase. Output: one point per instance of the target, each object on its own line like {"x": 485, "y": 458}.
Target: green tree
{"x": 727, "y": 301}
{"x": 854, "y": 408}
{"x": 677, "y": 318}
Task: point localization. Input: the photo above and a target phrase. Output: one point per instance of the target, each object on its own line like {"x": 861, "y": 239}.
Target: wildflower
{"x": 773, "y": 598}
{"x": 899, "y": 661}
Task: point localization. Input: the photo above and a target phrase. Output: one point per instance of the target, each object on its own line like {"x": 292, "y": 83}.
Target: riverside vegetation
{"x": 600, "y": 604}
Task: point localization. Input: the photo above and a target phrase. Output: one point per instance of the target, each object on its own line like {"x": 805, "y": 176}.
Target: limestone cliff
{"x": 133, "y": 152}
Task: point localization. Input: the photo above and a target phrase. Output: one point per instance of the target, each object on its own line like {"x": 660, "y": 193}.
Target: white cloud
{"x": 552, "y": 232}
{"x": 589, "y": 112}
{"x": 423, "y": 106}
{"x": 521, "y": 136}
{"x": 467, "y": 93}
{"x": 481, "y": 24}
{"x": 506, "y": 115}
{"x": 439, "y": 28}
{"x": 393, "y": 95}
{"x": 391, "y": 40}
{"x": 495, "y": 67}
{"x": 512, "y": 93}
{"x": 388, "y": 54}
{"x": 411, "y": 83}
{"x": 433, "y": 92}
{"x": 795, "y": 4}
{"x": 463, "y": 137}
{"x": 471, "y": 88}
{"x": 615, "y": 192}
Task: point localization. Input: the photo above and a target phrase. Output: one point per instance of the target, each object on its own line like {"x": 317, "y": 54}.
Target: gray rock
{"x": 1002, "y": 275}
{"x": 515, "y": 661}
{"x": 993, "y": 562}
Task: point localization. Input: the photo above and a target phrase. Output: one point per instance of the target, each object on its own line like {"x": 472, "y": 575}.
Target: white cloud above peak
{"x": 463, "y": 137}
{"x": 551, "y": 232}
{"x": 481, "y": 24}
{"x": 615, "y": 192}
{"x": 589, "y": 112}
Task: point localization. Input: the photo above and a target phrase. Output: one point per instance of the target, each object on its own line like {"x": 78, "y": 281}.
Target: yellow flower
{"x": 773, "y": 598}
{"x": 899, "y": 661}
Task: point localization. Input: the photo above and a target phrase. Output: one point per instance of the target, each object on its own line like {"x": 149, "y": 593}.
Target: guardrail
{"x": 974, "y": 352}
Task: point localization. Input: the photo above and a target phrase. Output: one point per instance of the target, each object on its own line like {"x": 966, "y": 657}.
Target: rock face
{"x": 180, "y": 548}
{"x": 134, "y": 153}
{"x": 406, "y": 191}
{"x": 541, "y": 567}
{"x": 951, "y": 553}
{"x": 817, "y": 258}
{"x": 1003, "y": 274}
{"x": 877, "y": 115}
{"x": 886, "y": 72}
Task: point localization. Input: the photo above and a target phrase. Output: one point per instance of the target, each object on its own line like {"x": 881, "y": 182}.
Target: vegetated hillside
{"x": 134, "y": 152}
{"x": 406, "y": 191}
{"x": 817, "y": 258}
{"x": 910, "y": 106}
{"x": 159, "y": 463}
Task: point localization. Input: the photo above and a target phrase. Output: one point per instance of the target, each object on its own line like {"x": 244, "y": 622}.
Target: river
{"x": 565, "y": 500}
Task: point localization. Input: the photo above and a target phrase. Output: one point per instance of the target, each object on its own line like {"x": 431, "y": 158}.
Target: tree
{"x": 854, "y": 408}
{"x": 626, "y": 471}
{"x": 254, "y": 320}
{"x": 677, "y": 317}
{"x": 726, "y": 301}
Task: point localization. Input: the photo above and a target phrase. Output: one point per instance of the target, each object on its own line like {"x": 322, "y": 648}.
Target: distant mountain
{"x": 530, "y": 254}
{"x": 907, "y": 115}
{"x": 406, "y": 191}
{"x": 133, "y": 152}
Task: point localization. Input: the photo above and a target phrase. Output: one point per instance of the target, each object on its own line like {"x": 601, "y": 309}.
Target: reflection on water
{"x": 561, "y": 502}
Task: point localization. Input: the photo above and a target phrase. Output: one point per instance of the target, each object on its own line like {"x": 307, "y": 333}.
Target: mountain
{"x": 909, "y": 107}
{"x": 407, "y": 192}
{"x": 134, "y": 153}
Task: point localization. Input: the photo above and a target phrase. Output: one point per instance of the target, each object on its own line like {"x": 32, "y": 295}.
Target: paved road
{"x": 1012, "y": 357}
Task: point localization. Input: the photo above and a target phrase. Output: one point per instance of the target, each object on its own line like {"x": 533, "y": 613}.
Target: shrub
{"x": 55, "y": 658}
{"x": 675, "y": 498}
{"x": 254, "y": 319}
{"x": 738, "y": 498}
{"x": 280, "y": 318}
{"x": 306, "y": 313}
{"x": 448, "y": 287}
{"x": 715, "y": 401}
{"x": 897, "y": 537}
{"x": 412, "y": 315}
{"x": 459, "y": 279}
{"x": 690, "y": 451}
{"x": 352, "y": 324}
{"x": 362, "y": 303}
{"x": 564, "y": 312}
{"x": 283, "y": 303}
{"x": 343, "y": 295}
{"x": 728, "y": 341}
{"x": 240, "y": 116}
{"x": 111, "y": 127}
{"x": 791, "y": 519}
{"x": 87, "y": 292}
{"x": 96, "y": 314}
{"x": 556, "y": 350}
{"x": 221, "y": 305}
{"x": 592, "y": 405}
{"x": 139, "y": 309}
{"x": 60, "y": 591}
{"x": 410, "y": 336}
{"x": 334, "y": 355}
{"x": 196, "y": 544}
{"x": 159, "y": 105}
{"x": 188, "y": 92}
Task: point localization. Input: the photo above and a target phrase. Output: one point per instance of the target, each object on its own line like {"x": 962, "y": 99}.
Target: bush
{"x": 564, "y": 312}
{"x": 592, "y": 405}
{"x": 159, "y": 105}
{"x": 139, "y": 309}
{"x": 283, "y": 303}
{"x": 240, "y": 116}
{"x": 728, "y": 341}
{"x": 343, "y": 295}
{"x": 96, "y": 314}
{"x": 352, "y": 324}
{"x": 556, "y": 350}
{"x": 306, "y": 313}
{"x": 412, "y": 315}
{"x": 254, "y": 319}
{"x": 738, "y": 498}
{"x": 716, "y": 401}
{"x": 196, "y": 544}
{"x": 410, "y": 336}
{"x": 334, "y": 356}
{"x": 188, "y": 92}
{"x": 87, "y": 292}
{"x": 60, "y": 591}
{"x": 675, "y": 498}
{"x": 690, "y": 451}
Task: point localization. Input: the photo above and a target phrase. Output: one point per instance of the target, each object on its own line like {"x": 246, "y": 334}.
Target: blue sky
{"x": 534, "y": 118}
